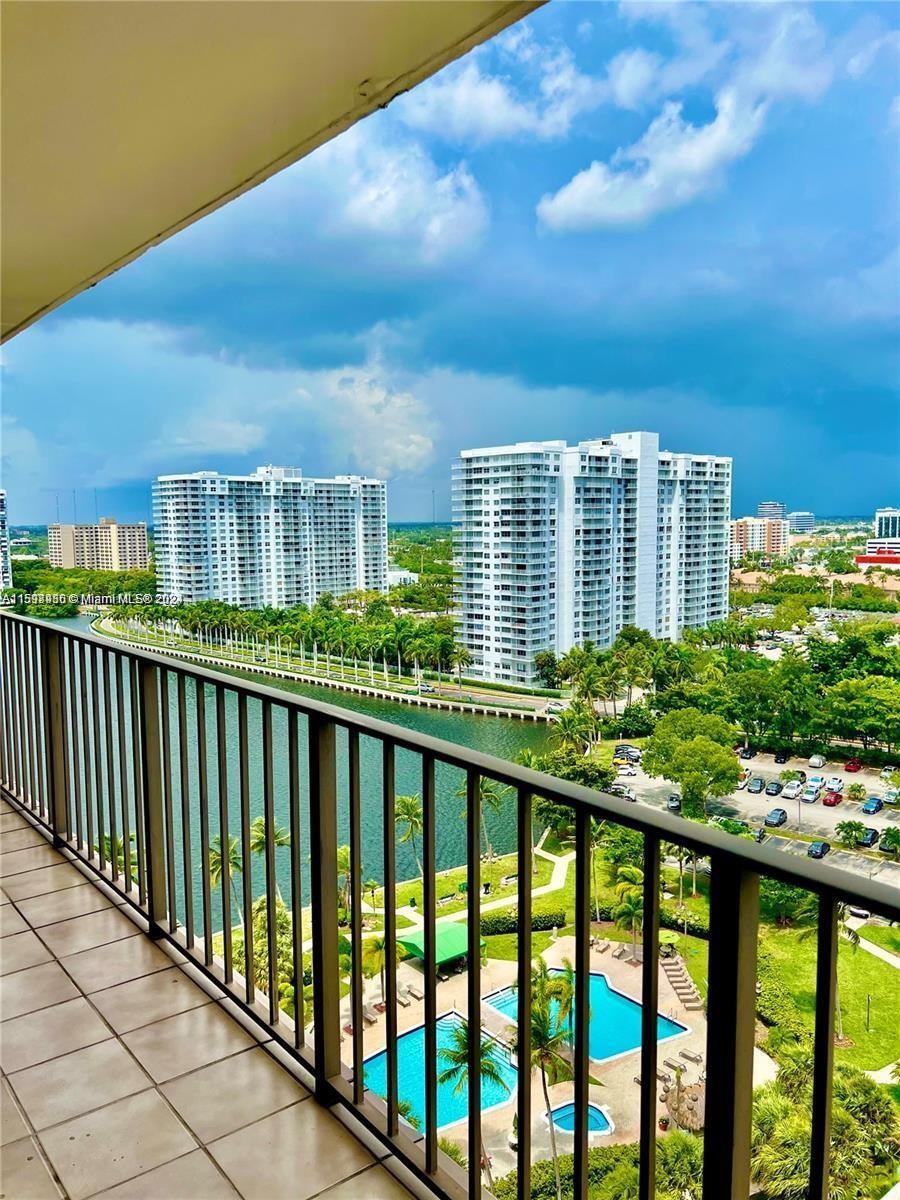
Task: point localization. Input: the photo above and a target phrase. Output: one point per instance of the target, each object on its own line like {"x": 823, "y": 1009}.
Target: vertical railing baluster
{"x": 54, "y": 733}
{"x": 269, "y": 860}
{"x": 649, "y": 1019}
{"x": 823, "y": 1048}
{"x": 29, "y": 663}
{"x": 356, "y": 976}
{"x": 17, "y": 709}
{"x": 323, "y": 845}
{"x": 123, "y": 773}
{"x": 429, "y": 946}
{"x": 297, "y": 877}
{"x": 168, "y": 803}
{"x": 136, "y": 774}
{"x": 184, "y": 787}
{"x": 97, "y": 689}
{"x": 78, "y": 764}
{"x": 523, "y": 976}
{"x": 152, "y": 795}
{"x": 203, "y": 786}
{"x": 246, "y": 857}
{"x": 86, "y": 690}
{"x": 4, "y": 705}
{"x": 582, "y": 964}
{"x": 473, "y": 976}
{"x": 730, "y": 1030}
{"x": 392, "y": 1096}
{"x": 110, "y": 767}
{"x": 224, "y": 835}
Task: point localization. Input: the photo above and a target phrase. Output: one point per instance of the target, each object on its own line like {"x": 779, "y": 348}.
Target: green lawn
{"x": 506, "y": 945}
{"x": 886, "y": 936}
{"x": 859, "y": 975}
{"x": 449, "y": 884}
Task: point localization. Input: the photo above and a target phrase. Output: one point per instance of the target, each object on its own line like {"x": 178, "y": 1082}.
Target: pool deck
{"x": 619, "y": 1093}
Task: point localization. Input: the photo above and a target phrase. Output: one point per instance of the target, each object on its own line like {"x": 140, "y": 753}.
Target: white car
{"x": 834, "y": 784}
{"x": 792, "y": 790}
{"x": 626, "y": 769}
{"x": 817, "y": 760}
{"x": 816, "y": 781}
{"x": 743, "y": 781}
{"x": 811, "y": 793}
{"x": 887, "y": 773}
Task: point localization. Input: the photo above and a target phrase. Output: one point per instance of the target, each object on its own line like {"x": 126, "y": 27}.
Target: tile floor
{"x": 122, "y": 1079}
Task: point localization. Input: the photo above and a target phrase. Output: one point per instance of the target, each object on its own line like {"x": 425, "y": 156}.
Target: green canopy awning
{"x": 451, "y": 941}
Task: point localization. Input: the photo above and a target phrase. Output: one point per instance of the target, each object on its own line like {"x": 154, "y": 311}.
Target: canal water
{"x": 504, "y": 738}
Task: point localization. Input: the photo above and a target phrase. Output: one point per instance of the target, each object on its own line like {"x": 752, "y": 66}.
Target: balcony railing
{"x": 130, "y": 761}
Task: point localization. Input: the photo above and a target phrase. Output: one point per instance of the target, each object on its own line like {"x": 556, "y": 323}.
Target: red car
{"x": 832, "y": 799}
{"x": 853, "y": 764}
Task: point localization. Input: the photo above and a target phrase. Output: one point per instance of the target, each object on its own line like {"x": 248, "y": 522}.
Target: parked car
{"x": 760, "y": 836}
{"x": 892, "y": 796}
{"x": 756, "y": 785}
{"x": 811, "y": 793}
{"x": 792, "y": 790}
{"x": 873, "y": 805}
{"x": 818, "y": 850}
{"x": 776, "y": 817}
{"x": 774, "y": 787}
{"x": 782, "y": 756}
{"x": 832, "y": 799}
{"x": 772, "y": 646}
{"x": 869, "y": 838}
{"x": 673, "y": 804}
{"x": 852, "y": 764}
{"x": 801, "y": 775}
{"x": 817, "y": 780}
{"x": 834, "y": 783}
{"x": 744, "y": 780}
{"x": 625, "y": 769}
{"x": 748, "y": 752}
{"x": 426, "y": 689}
{"x": 556, "y": 706}
{"x": 887, "y": 773}
{"x": 626, "y": 749}
{"x": 817, "y": 760}
{"x": 627, "y": 793}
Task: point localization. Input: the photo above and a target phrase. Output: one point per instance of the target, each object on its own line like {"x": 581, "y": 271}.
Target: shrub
{"x": 506, "y": 920}
{"x": 775, "y": 1006}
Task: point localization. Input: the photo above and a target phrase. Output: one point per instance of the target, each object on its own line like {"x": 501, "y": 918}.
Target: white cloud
{"x": 632, "y": 75}
{"x": 672, "y": 164}
{"x": 208, "y": 433}
{"x": 872, "y": 293}
{"x": 860, "y": 63}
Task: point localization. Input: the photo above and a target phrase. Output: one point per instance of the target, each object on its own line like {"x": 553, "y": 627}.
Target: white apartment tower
{"x": 887, "y": 523}
{"x": 270, "y": 538}
{"x": 5, "y": 565}
{"x": 557, "y": 545}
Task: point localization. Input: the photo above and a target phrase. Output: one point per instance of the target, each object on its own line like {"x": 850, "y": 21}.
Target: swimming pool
{"x": 451, "y": 1106}
{"x": 599, "y": 1120}
{"x": 615, "y": 1026}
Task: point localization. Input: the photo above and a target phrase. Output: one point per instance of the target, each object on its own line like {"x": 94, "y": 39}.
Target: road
{"x": 812, "y": 820}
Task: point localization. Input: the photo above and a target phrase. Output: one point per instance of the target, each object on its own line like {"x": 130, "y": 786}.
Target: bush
{"x": 669, "y": 919}
{"x": 506, "y": 920}
{"x": 601, "y": 1161}
{"x": 775, "y": 1006}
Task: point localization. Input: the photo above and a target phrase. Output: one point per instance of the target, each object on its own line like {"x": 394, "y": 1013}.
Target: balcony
{"x": 141, "y": 1056}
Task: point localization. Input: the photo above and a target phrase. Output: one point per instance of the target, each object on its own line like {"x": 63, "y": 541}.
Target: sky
{"x": 681, "y": 218}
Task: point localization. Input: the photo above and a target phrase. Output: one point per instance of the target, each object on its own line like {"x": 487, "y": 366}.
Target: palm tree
{"x": 547, "y": 1041}
{"x": 408, "y": 813}
{"x": 491, "y": 795}
{"x": 374, "y": 956}
{"x": 280, "y": 837}
{"x": 216, "y": 868}
{"x": 573, "y": 728}
{"x": 809, "y": 912}
{"x": 460, "y": 658}
{"x": 116, "y": 850}
{"x": 456, "y": 1056}
{"x": 629, "y": 913}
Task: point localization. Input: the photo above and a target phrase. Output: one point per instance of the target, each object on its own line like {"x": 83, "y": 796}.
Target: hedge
{"x": 602, "y": 1160}
{"x": 506, "y": 920}
{"x": 668, "y": 918}
{"x": 775, "y": 1006}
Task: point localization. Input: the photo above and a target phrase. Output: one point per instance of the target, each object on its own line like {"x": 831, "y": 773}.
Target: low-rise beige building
{"x": 759, "y": 535}
{"x": 108, "y": 546}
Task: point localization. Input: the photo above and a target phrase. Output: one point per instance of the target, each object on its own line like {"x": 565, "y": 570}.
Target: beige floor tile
{"x": 151, "y": 998}
{"x": 233, "y": 1092}
{"x": 71, "y": 1085}
{"x": 24, "y": 1174}
{"x": 194, "y": 1176}
{"x": 12, "y": 820}
{"x": 189, "y": 1040}
{"x": 86, "y": 932}
{"x": 12, "y": 1124}
{"x": 374, "y": 1184}
{"x": 18, "y": 861}
{"x": 43, "y": 879}
{"x": 20, "y": 839}
{"x": 43, "y": 1035}
{"x": 21, "y": 950}
{"x": 105, "y": 966}
{"x": 61, "y": 905}
{"x": 294, "y": 1154}
{"x": 38, "y": 987}
{"x": 10, "y": 921}
{"x": 115, "y": 1143}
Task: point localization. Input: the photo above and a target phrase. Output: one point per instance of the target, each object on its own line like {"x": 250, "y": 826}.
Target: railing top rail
{"x": 821, "y": 878}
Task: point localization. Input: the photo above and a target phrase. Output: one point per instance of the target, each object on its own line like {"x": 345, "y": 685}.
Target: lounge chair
{"x": 691, "y": 1056}
{"x": 603, "y": 947}
{"x": 663, "y": 1076}
{"x": 673, "y": 1065}
{"x": 403, "y": 998}
{"x": 369, "y": 1014}
{"x": 348, "y": 1029}
{"x": 380, "y": 1006}
{"x": 415, "y": 991}
{"x": 637, "y": 1080}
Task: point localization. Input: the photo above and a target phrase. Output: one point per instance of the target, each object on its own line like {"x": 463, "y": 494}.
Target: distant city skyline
{"x": 678, "y": 217}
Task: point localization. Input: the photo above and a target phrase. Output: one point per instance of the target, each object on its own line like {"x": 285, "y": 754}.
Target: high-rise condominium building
{"x": 772, "y": 508}
{"x": 558, "y": 545}
{"x": 887, "y": 522}
{"x": 108, "y": 546}
{"x": 270, "y": 538}
{"x": 5, "y": 566}
{"x": 801, "y": 522}
{"x": 759, "y": 535}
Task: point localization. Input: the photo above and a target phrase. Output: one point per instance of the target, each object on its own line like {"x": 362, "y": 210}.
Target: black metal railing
{"x": 168, "y": 781}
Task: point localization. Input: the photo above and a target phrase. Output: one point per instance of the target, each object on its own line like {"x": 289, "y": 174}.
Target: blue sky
{"x": 638, "y": 216}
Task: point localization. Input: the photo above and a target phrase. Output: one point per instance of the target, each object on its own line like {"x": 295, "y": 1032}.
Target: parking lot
{"x": 812, "y": 820}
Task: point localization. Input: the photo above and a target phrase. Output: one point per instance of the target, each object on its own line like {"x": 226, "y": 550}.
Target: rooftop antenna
{"x": 56, "y": 493}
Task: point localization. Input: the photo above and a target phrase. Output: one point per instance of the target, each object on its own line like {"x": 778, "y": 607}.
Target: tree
{"x": 216, "y": 868}
{"x": 856, "y": 792}
{"x": 374, "y": 957}
{"x": 456, "y": 1055}
{"x": 781, "y": 901}
{"x": 460, "y": 658}
{"x": 573, "y": 728}
{"x": 809, "y": 912}
{"x": 629, "y": 912}
{"x": 280, "y": 837}
{"x": 547, "y": 1056}
{"x": 408, "y": 814}
{"x": 890, "y": 842}
{"x": 692, "y": 749}
{"x": 491, "y": 796}
{"x": 546, "y": 666}
{"x": 850, "y": 832}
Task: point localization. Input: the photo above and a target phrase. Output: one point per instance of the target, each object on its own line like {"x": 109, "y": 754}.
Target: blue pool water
{"x": 615, "y": 1026}
{"x": 451, "y": 1106}
{"x": 564, "y": 1118}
